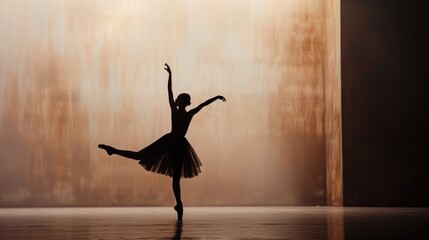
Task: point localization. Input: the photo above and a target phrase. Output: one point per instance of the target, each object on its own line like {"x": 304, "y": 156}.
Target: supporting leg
{"x": 176, "y": 189}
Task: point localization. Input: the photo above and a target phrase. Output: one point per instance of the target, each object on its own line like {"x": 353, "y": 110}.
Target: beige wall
{"x": 333, "y": 119}
{"x": 77, "y": 73}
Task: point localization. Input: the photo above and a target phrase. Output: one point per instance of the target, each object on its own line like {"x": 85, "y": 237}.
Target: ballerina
{"x": 172, "y": 154}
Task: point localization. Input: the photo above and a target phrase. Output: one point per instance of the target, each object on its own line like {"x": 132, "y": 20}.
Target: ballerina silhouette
{"x": 172, "y": 154}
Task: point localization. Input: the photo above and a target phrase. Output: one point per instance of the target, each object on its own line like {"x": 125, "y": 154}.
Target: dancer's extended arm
{"x": 170, "y": 89}
{"x": 197, "y": 109}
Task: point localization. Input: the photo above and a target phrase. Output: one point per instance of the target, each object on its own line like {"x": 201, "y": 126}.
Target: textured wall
{"x": 333, "y": 130}
{"x": 77, "y": 73}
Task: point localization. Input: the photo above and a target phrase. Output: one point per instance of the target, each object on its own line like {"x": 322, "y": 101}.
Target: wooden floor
{"x": 214, "y": 223}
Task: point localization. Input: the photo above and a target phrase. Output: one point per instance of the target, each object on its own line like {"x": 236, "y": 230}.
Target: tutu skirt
{"x": 170, "y": 155}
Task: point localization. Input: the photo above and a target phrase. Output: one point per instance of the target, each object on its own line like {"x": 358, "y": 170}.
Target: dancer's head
{"x": 183, "y": 100}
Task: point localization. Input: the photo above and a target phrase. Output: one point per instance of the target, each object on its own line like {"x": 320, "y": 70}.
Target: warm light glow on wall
{"x": 77, "y": 73}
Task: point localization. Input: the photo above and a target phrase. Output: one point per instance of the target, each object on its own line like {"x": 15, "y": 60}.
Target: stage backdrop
{"x": 74, "y": 74}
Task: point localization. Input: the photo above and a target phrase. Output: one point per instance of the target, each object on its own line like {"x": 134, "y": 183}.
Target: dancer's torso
{"x": 180, "y": 121}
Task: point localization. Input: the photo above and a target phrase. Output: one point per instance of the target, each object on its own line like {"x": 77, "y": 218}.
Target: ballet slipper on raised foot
{"x": 179, "y": 210}
{"x": 108, "y": 149}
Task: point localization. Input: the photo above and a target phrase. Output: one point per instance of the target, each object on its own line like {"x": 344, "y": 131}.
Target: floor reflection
{"x": 213, "y": 222}
{"x": 335, "y": 225}
{"x": 178, "y": 234}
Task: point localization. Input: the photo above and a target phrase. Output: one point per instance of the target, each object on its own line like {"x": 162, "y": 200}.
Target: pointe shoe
{"x": 108, "y": 149}
{"x": 179, "y": 210}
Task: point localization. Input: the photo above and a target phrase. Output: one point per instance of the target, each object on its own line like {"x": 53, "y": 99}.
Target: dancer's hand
{"x": 167, "y": 68}
{"x": 221, "y": 98}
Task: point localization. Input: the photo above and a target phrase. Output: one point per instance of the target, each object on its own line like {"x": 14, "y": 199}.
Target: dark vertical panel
{"x": 385, "y": 113}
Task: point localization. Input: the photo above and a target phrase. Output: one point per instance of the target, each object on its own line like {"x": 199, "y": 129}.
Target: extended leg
{"x": 124, "y": 153}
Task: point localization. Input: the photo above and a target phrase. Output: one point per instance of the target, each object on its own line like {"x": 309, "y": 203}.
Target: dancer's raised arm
{"x": 170, "y": 90}
{"x": 197, "y": 109}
